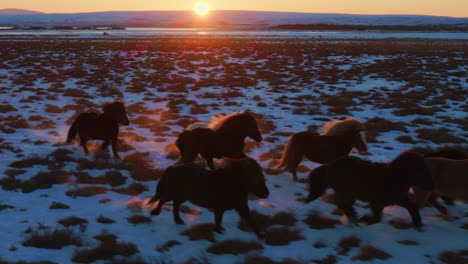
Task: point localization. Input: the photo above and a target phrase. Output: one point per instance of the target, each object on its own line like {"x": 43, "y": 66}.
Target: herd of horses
{"x": 443, "y": 173}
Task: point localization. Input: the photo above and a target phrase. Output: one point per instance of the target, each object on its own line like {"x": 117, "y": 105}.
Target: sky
{"x": 455, "y": 8}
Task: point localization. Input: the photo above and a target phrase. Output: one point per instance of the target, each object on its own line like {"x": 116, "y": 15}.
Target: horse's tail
{"x": 318, "y": 182}
{"x": 160, "y": 187}
{"x": 292, "y": 153}
{"x": 73, "y": 132}
{"x": 157, "y": 194}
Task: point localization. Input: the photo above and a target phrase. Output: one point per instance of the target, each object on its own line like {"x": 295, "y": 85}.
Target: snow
{"x": 31, "y": 210}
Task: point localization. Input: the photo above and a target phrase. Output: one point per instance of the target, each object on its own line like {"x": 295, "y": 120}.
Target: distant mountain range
{"x": 224, "y": 19}
{"x": 14, "y": 11}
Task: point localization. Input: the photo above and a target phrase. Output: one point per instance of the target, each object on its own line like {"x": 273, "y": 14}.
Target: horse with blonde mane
{"x": 223, "y": 137}
{"x": 338, "y": 139}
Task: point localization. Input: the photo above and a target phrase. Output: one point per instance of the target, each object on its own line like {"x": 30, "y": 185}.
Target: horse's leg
{"x": 218, "y": 213}
{"x": 412, "y": 210}
{"x": 114, "y": 149}
{"x": 345, "y": 203}
{"x": 376, "y": 214}
{"x": 157, "y": 210}
{"x": 294, "y": 165}
{"x": 447, "y": 200}
{"x": 175, "y": 212}
{"x": 244, "y": 212}
{"x": 105, "y": 144}
{"x": 433, "y": 201}
{"x": 83, "y": 143}
{"x": 209, "y": 162}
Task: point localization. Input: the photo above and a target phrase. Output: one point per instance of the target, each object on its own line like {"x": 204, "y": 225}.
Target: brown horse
{"x": 450, "y": 179}
{"x": 338, "y": 139}
{"x": 225, "y": 138}
{"x": 103, "y": 126}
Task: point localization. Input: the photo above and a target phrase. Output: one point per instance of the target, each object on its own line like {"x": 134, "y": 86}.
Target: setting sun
{"x": 201, "y": 9}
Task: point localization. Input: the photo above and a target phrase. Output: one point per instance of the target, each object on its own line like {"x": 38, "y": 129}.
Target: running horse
{"x": 338, "y": 139}
{"x": 223, "y": 137}
{"x": 103, "y": 126}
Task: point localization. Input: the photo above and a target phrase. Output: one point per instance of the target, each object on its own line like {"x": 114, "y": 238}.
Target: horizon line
{"x": 234, "y": 10}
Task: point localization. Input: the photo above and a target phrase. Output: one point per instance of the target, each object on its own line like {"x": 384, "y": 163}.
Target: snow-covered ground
{"x": 410, "y": 93}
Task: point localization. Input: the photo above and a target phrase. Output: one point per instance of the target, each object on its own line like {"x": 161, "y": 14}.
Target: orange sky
{"x": 456, "y": 8}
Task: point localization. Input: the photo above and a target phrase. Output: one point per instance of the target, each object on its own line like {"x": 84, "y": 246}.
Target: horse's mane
{"x": 219, "y": 120}
{"x": 340, "y": 127}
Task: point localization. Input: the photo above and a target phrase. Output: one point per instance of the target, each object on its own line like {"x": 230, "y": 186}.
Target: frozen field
{"x": 61, "y": 206}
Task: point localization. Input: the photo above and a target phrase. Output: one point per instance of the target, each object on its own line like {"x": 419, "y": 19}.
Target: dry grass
{"x": 72, "y": 221}
{"x": 58, "y": 205}
{"x": 138, "y": 219}
{"x": 44, "y": 180}
{"x": 167, "y": 246}
{"x": 200, "y": 232}
{"x": 369, "y": 253}
{"x": 347, "y": 243}
{"x": 316, "y": 221}
{"x": 234, "y": 247}
{"x": 329, "y": 259}
{"x": 105, "y": 220}
{"x": 280, "y": 236}
{"x": 52, "y": 239}
{"x": 86, "y": 191}
{"x": 454, "y": 257}
{"x": 107, "y": 249}
{"x": 439, "y": 136}
{"x": 133, "y": 189}
{"x": 408, "y": 242}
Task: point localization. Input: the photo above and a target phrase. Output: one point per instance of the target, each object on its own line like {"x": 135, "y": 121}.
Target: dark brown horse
{"x": 103, "y": 126}
{"x": 339, "y": 139}
{"x": 225, "y": 139}
{"x": 223, "y": 189}
{"x": 379, "y": 184}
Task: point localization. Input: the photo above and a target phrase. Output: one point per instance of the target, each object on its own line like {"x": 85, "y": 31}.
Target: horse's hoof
{"x": 260, "y": 235}
{"x": 219, "y": 230}
{"x": 155, "y": 212}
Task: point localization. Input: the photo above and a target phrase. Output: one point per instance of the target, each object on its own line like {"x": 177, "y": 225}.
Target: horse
{"x": 225, "y": 188}
{"x": 450, "y": 178}
{"x": 447, "y": 152}
{"x": 223, "y": 137}
{"x": 380, "y": 184}
{"x": 338, "y": 139}
{"x": 103, "y": 126}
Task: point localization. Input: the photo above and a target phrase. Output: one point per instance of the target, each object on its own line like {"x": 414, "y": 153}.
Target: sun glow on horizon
{"x": 201, "y": 9}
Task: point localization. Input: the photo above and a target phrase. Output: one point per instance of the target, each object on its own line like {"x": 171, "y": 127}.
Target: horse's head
{"x": 360, "y": 142}
{"x": 187, "y": 148}
{"x": 412, "y": 167}
{"x": 255, "y": 178}
{"x": 116, "y": 110}
{"x": 252, "y": 129}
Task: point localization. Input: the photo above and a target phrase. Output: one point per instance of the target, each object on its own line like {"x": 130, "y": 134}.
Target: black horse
{"x": 223, "y": 189}
{"x": 226, "y": 139}
{"x": 103, "y": 126}
{"x": 379, "y": 184}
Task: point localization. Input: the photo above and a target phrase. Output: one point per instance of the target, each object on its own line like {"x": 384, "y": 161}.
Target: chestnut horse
{"x": 338, "y": 139}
